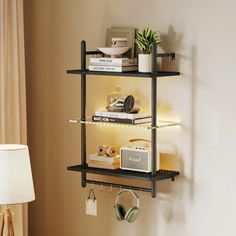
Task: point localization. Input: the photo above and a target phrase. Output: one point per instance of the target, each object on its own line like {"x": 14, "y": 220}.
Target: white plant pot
{"x": 144, "y": 63}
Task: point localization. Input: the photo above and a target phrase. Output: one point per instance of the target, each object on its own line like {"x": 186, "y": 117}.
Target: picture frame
{"x": 122, "y": 32}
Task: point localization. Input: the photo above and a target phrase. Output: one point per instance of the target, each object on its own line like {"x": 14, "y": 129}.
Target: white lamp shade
{"x": 16, "y": 182}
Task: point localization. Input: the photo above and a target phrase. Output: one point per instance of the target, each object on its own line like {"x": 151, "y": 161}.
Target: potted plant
{"x": 144, "y": 39}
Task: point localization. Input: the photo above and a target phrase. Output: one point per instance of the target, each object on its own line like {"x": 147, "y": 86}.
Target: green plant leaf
{"x": 145, "y": 38}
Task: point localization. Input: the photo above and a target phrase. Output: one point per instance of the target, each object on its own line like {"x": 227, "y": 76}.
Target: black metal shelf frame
{"x": 154, "y": 176}
{"x": 135, "y": 74}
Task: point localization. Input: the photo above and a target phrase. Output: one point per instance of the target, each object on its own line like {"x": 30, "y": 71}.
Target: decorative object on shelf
{"x": 132, "y": 213}
{"x": 109, "y": 151}
{"x": 122, "y": 32}
{"x": 119, "y": 42}
{"x": 16, "y": 182}
{"x": 138, "y": 157}
{"x": 115, "y": 100}
{"x": 113, "y": 52}
{"x": 91, "y": 204}
{"x": 131, "y": 105}
{"x": 106, "y": 157}
{"x": 145, "y": 39}
{"x": 116, "y": 49}
{"x": 105, "y": 162}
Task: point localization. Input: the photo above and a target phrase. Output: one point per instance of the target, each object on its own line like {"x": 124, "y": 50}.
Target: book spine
{"x": 111, "y": 120}
{"x": 129, "y": 63}
{"x": 107, "y": 60}
{"x": 113, "y": 61}
{"x": 103, "y": 163}
{"x": 104, "y": 159}
{"x": 106, "y": 68}
{"x": 111, "y": 167}
{"x": 114, "y": 115}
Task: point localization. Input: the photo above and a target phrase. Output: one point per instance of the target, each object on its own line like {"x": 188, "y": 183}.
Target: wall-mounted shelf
{"x": 135, "y": 74}
{"x": 160, "y": 175}
{"x": 154, "y": 175}
{"x": 147, "y": 126}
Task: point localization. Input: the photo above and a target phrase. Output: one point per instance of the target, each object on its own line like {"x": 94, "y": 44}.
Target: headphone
{"x": 132, "y": 213}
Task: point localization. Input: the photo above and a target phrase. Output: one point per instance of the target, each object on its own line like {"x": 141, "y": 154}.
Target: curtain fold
{"x": 12, "y": 87}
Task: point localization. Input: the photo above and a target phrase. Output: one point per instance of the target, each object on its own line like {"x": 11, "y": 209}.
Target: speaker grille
{"x": 134, "y": 160}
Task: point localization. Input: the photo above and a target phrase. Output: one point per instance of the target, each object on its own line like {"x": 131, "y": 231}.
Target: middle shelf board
{"x": 160, "y": 124}
{"x": 160, "y": 174}
{"x": 127, "y": 74}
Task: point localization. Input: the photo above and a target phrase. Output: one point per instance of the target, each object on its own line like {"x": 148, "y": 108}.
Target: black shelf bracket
{"x": 171, "y": 55}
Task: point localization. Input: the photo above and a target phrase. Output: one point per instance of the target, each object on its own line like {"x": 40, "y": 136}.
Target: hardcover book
{"x": 122, "y": 115}
{"x": 104, "y": 159}
{"x": 122, "y": 121}
{"x": 107, "y": 61}
{"x": 113, "y": 68}
{"x": 103, "y": 166}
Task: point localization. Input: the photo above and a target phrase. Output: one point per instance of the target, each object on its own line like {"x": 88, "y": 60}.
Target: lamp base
{"x": 7, "y": 223}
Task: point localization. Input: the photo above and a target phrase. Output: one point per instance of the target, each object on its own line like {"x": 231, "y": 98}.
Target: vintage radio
{"x": 138, "y": 158}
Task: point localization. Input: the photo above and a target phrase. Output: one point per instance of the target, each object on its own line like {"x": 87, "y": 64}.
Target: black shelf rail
{"x": 126, "y": 74}
{"x": 171, "y": 55}
{"x": 130, "y": 174}
{"x": 124, "y": 186}
{"x": 154, "y": 176}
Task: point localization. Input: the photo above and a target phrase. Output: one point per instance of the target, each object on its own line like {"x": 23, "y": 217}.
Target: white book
{"x": 106, "y": 61}
{"x": 122, "y": 115}
{"x": 104, "y": 159}
{"x": 113, "y": 68}
{"x": 104, "y": 166}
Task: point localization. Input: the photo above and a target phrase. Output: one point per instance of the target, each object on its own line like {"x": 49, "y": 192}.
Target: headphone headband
{"x": 128, "y": 191}
{"x": 139, "y": 140}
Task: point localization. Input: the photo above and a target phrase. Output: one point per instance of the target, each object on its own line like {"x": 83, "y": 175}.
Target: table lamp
{"x": 16, "y": 182}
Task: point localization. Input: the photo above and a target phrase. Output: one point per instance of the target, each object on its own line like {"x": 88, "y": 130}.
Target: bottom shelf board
{"x": 160, "y": 175}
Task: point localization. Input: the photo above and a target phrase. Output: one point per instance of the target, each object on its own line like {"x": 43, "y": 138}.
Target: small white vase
{"x": 144, "y": 63}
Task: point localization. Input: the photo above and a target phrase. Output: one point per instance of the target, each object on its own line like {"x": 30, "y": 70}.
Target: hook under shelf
{"x": 109, "y": 184}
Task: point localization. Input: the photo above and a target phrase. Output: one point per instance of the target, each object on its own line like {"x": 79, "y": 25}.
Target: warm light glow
{"x": 160, "y": 124}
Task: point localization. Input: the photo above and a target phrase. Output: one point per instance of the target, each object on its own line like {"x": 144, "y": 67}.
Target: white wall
{"x": 202, "y": 200}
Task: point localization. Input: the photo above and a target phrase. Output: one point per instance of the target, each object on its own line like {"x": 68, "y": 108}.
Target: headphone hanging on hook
{"x": 132, "y": 213}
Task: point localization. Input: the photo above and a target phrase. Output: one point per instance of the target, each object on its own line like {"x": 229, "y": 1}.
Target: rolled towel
{"x": 110, "y": 152}
{"x": 101, "y": 150}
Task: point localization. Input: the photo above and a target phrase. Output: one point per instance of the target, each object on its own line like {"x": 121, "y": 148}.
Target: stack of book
{"x": 104, "y": 162}
{"x": 113, "y": 64}
{"x": 121, "y": 117}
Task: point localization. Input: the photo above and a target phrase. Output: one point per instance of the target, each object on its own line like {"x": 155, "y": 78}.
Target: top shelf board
{"x": 127, "y": 74}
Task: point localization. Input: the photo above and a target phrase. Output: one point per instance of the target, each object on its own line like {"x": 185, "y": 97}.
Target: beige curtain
{"x": 12, "y": 87}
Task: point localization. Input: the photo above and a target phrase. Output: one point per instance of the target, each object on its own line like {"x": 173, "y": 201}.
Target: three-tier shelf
{"x": 155, "y": 175}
